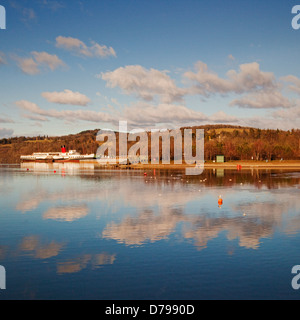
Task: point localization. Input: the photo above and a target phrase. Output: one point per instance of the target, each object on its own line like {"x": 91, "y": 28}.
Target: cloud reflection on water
{"x": 253, "y": 208}
{"x": 66, "y": 213}
{"x": 79, "y": 263}
{"x": 33, "y": 246}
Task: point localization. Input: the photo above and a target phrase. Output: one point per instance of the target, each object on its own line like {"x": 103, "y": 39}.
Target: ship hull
{"x": 52, "y": 161}
{"x": 67, "y": 160}
{"x": 71, "y": 156}
{"x": 37, "y": 160}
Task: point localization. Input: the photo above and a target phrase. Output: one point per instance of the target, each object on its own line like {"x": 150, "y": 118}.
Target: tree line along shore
{"x": 235, "y": 143}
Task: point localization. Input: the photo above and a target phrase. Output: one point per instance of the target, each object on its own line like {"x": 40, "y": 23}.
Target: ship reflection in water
{"x": 136, "y": 236}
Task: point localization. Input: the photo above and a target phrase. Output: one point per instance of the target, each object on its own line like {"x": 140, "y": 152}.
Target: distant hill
{"x": 11, "y": 149}
{"x": 234, "y": 142}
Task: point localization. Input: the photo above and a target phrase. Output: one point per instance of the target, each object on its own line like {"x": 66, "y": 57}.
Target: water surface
{"x": 76, "y": 232}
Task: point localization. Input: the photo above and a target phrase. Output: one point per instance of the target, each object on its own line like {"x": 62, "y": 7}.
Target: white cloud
{"x": 48, "y": 60}
{"x": 222, "y": 117}
{"x": 35, "y": 117}
{"x": 263, "y": 100}
{"x": 272, "y": 121}
{"x": 290, "y": 114}
{"x": 79, "y": 47}
{"x": 144, "y": 114}
{"x": 262, "y": 89}
{"x": 67, "y": 97}
{"x": 102, "y": 50}
{"x": 73, "y": 44}
{"x": 33, "y": 65}
{"x": 146, "y": 84}
{"x": 28, "y": 66}
{"x": 69, "y": 115}
{"x": 29, "y": 106}
{"x": 249, "y": 86}
{"x": 140, "y": 114}
{"x": 296, "y": 83}
{"x": 249, "y": 78}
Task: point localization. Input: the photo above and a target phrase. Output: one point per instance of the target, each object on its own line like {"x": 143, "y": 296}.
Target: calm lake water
{"x": 85, "y": 233}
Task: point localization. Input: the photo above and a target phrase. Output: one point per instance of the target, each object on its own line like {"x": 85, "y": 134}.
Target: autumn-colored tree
{"x": 269, "y": 149}
{"x": 257, "y": 149}
{"x": 210, "y": 150}
{"x": 236, "y": 143}
{"x": 229, "y": 149}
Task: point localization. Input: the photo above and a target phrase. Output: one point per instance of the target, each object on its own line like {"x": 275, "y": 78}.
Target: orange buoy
{"x": 220, "y": 201}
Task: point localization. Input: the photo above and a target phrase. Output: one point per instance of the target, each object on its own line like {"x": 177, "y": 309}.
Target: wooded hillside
{"x": 235, "y": 143}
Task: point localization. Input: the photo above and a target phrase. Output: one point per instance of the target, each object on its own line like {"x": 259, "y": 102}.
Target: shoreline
{"x": 276, "y": 164}
{"x": 233, "y": 165}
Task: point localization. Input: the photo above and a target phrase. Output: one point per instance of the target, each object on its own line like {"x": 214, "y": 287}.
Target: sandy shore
{"x": 256, "y": 164}
{"x": 288, "y": 164}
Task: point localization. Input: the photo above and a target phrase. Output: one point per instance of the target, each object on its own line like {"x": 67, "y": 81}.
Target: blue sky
{"x": 68, "y": 66}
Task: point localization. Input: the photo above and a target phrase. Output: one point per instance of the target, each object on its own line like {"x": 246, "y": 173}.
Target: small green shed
{"x": 220, "y": 158}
